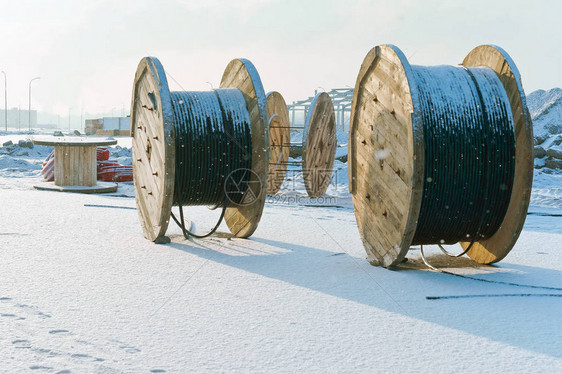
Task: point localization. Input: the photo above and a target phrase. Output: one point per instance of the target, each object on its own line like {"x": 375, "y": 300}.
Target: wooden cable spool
{"x": 75, "y": 166}
{"x": 386, "y": 155}
{"x": 318, "y": 145}
{"x": 154, "y": 147}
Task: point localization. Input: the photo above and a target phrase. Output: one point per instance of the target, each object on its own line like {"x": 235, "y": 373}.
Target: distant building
{"x": 120, "y": 126}
{"x": 18, "y": 118}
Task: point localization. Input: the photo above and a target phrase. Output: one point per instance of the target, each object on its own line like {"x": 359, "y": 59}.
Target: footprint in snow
{"x": 336, "y": 254}
{"x": 157, "y": 371}
{"x": 128, "y": 348}
{"x": 86, "y": 356}
{"x": 9, "y": 315}
{"x": 80, "y": 355}
{"x": 85, "y": 342}
{"x": 22, "y": 343}
{"x": 32, "y": 308}
{"x": 39, "y": 367}
{"x": 46, "y": 351}
{"x": 58, "y": 331}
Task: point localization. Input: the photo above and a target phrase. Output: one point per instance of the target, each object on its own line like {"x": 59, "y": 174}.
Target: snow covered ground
{"x": 82, "y": 291}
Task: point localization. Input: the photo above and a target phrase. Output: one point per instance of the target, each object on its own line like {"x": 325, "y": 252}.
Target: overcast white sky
{"x": 86, "y": 52}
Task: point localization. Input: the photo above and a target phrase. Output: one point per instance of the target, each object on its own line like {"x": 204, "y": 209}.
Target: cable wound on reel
{"x": 199, "y": 148}
{"x": 469, "y": 154}
{"x": 213, "y": 147}
{"x": 433, "y": 154}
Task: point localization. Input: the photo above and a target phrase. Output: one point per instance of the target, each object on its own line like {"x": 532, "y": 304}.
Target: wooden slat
{"x": 75, "y": 165}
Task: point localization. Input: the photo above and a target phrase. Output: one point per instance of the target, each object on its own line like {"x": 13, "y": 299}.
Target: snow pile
{"x": 547, "y": 190}
{"x": 546, "y": 112}
{"x": 21, "y": 159}
{"x": 17, "y": 164}
{"x": 123, "y": 155}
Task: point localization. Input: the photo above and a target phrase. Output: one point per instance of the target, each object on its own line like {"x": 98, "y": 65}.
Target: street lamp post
{"x": 30, "y": 100}
{"x": 5, "y": 100}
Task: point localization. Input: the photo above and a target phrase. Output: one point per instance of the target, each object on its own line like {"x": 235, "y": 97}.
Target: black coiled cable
{"x": 213, "y": 150}
{"x": 469, "y": 146}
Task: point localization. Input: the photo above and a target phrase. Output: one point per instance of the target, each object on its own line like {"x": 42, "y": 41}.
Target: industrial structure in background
{"x": 18, "y": 118}
{"x": 108, "y": 126}
{"x": 341, "y": 98}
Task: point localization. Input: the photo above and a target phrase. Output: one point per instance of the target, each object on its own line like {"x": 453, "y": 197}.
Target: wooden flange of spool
{"x": 152, "y": 130}
{"x": 243, "y": 220}
{"x": 386, "y": 155}
{"x": 319, "y": 145}
{"x": 279, "y": 141}
{"x": 498, "y": 245}
{"x": 385, "y": 161}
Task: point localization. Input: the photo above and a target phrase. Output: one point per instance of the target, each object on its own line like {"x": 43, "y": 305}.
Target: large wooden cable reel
{"x": 319, "y": 145}
{"x": 386, "y": 155}
{"x": 152, "y": 130}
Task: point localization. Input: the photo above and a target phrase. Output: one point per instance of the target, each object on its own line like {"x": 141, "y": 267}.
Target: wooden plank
{"x": 72, "y": 141}
{"x": 101, "y": 187}
{"x": 60, "y": 160}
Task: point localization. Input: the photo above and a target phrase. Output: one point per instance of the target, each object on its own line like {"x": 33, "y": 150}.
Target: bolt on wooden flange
{"x": 152, "y": 130}
{"x": 318, "y": 145}
{"x": 386, "y": 155}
